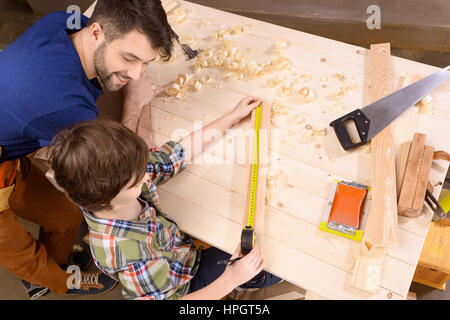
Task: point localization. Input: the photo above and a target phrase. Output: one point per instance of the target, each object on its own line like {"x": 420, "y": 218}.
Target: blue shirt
{"x": 43, "y": 87}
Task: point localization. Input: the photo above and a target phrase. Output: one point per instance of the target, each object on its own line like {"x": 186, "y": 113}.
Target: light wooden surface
{"x": 207, "y": 200}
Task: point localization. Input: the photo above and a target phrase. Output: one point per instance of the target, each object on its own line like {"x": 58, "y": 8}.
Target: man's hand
{"x": 137, "y": 94}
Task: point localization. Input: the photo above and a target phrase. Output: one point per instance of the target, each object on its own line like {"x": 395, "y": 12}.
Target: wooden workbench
{"x": 207, "y": 200}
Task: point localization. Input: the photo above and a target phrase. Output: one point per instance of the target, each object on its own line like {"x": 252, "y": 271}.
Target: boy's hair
{"x": 118, "y": 17}
{"x": 94, "y": 160}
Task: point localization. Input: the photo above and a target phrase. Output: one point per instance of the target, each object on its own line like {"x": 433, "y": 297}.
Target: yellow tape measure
{"x": 248, "y": 233}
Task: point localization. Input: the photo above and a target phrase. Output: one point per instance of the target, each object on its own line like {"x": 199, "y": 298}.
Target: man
{"x": 51, "y": 78}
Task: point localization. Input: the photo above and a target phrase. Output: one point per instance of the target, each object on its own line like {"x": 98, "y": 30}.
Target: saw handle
{"x": 362, "y": 125}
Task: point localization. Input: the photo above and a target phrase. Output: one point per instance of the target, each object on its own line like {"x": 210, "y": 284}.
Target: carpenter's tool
{"x": 415, "y": 179}
{"x": 373, "y": 118}
{"x": 444, "y": 201}
{"x": 248, "y": 235}
{"x": 345, "y": 212}
{"x": 433, "y": 203}
{"x": 415, "y": 186}
{"x": 191, "y": 53}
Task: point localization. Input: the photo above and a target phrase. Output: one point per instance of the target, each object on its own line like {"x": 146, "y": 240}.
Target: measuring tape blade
{"x": 248, "y": 234}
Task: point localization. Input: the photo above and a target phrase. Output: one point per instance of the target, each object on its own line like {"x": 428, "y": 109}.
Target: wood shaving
{"x": 339, "y": 76}
{"x": 275, "y": 82}
{"x": 425, "y": 104}
{"x": 303, "y": 78}
{"x": 307, "y": 94}
{"x": 206, "y": 22}
{"x": 174, "y": 90}
{"x": 180, "y": 15}
{"x": 205, "y": 79}
{"x": 312, "y": 135}
{"x": 280, "y": 45}
{"x": 237, "y": 29}
{"x": 187, "y": 40}
{"x": 339, "y": 95}
{"x": 197, "y": 85}
{"x": 350, "y": 86}
{"x": 247, "y": 28}
{"x": 288, "y": 90}
{"x": 278, "y": 109}
{"x": 177, "y": 88}
{"x": 182, "y": 78}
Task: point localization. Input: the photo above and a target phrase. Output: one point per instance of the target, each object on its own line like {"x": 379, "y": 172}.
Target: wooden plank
{"x": 381, "y": 229}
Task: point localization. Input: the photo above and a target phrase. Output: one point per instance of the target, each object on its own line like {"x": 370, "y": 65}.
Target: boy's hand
{"x": 246, "y": 268}
{"x": 245, "y": 106}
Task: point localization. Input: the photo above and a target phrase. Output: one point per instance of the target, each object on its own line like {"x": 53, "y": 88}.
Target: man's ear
{"x": 96, "y": 33}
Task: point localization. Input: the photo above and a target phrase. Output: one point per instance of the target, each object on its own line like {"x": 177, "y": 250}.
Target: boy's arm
{"x": 243, "y": 108}
{"x": 234, "y": 275}
{"x": 218, "y": 289}
{"x": 165, "y": 161}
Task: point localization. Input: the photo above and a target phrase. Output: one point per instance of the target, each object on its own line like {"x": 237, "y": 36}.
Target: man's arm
{"x": 136, "y": 107}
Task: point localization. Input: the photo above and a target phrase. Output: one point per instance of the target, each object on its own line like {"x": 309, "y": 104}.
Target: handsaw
{"x": 376, "y": 116}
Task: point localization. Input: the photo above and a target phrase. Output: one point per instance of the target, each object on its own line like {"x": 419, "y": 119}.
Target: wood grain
{"x": 382, "y": 223}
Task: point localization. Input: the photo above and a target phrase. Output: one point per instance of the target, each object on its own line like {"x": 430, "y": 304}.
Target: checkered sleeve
{"x": 165, "y": 161}
{"x": 149, "y": 280}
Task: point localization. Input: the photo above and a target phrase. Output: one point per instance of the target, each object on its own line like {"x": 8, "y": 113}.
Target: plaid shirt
{"x": 150, "y": 256}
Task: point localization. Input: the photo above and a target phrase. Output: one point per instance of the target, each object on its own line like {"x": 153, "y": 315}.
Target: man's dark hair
{"x": 118, "y": 17}
{"x": 94, "y": 160}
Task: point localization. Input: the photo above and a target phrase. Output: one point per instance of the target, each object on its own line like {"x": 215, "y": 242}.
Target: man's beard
{"x": 105, "y": 76}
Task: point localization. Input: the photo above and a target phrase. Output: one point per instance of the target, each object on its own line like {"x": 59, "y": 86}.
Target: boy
{"x": 107, "y": 170}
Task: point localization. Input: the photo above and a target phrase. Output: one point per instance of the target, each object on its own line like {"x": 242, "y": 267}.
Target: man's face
{"x": 123, "y": 59}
